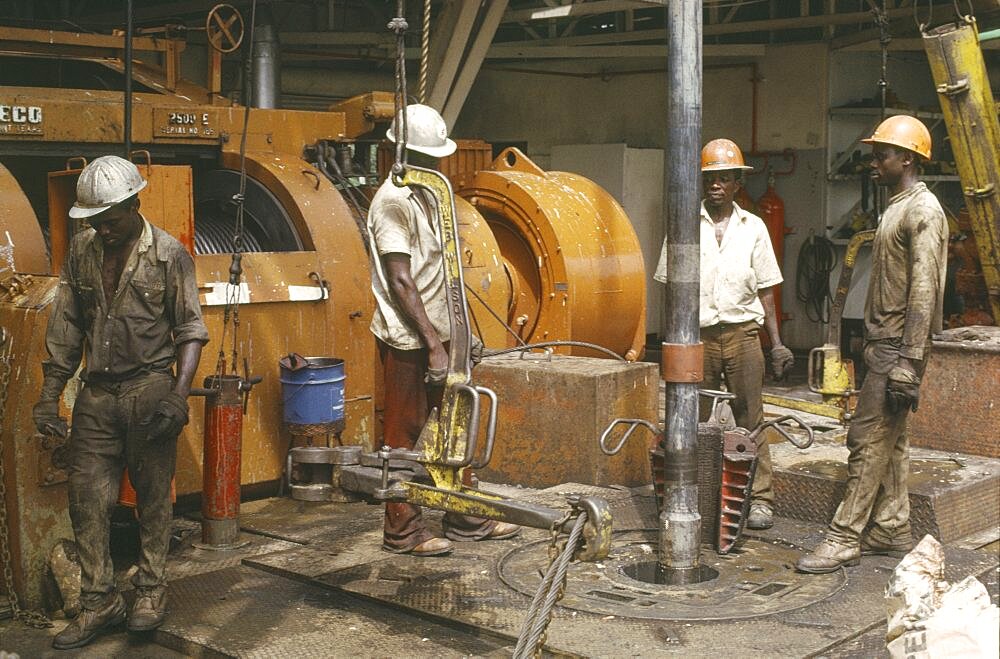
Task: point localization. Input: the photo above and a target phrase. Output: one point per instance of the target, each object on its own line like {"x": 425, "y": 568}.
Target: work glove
{"x": 902, "y": 390}
{"x": 169, "y": 419}
{"x": 476, "y": 350}
{"x": 782, "y": 361}
{"x": 45, "y": 414}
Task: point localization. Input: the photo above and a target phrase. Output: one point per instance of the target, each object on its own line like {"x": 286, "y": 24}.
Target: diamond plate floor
{"x": 314, "y": 582}
{"x": 465, "y": 589}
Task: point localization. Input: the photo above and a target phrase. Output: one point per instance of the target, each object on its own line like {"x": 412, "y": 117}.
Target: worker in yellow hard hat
{"x": 738, "y": 275}
{"x": 902, "y": 311}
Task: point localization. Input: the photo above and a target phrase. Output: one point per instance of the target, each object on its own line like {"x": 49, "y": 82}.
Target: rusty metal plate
{"x": 243, "y": 612}
{"x": 960, "y": 394}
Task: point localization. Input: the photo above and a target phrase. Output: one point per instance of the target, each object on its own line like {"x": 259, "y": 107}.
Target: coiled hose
{"x": 817, "y": 259}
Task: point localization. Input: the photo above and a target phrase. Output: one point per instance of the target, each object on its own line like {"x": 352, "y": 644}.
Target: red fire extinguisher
{"x": 771, "y": 209}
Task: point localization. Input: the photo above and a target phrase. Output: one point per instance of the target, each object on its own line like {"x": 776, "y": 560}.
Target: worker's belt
{"x": 718, "y": 327}
{"x": 115, "y": 384}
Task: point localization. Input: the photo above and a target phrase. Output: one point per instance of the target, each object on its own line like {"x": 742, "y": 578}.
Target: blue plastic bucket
{"x": 315, "y": 393}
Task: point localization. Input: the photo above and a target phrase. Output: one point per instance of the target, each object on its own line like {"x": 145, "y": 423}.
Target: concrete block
{"x": 552, "y": 414}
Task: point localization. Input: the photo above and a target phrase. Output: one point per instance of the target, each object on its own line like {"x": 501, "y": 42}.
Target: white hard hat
{"x": 106, "y": 181}
{"x": 426, "y": 132}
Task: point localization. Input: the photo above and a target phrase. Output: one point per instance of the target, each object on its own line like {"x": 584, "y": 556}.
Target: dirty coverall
{"x": 130, "y": 346}
{"x": 399, "y": 221}
{"x": 902, "y": 310}
{"x": 731, "y": 315}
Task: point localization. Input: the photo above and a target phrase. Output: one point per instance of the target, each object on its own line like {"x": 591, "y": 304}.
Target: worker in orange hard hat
{"x": 903, "y": 308}
{"x": 738, "y": 275}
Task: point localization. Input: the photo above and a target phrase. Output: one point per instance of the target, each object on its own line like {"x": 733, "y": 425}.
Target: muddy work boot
{"x": 829, "y": 557}
{"x": 86, "y": 626}
{"x": 761, "y": 517}
{"x": 896, "y": 549}
{"x": 149, "y": 609}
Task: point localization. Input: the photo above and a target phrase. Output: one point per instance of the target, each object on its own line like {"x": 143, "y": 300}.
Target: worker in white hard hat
{"x": 903, "y": 309}
{"x": 412, "y": 327}
{"x": 738, "y": 274}
{"x": 128, "y": 301}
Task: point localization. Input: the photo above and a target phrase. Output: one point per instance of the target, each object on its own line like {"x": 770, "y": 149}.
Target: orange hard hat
{"x": 722, "y": 154}
{"x": 904, "y": 131}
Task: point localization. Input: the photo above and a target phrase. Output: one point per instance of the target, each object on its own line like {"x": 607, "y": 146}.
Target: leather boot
{"x": 86, "y": 626}
{"x": 149, "y": 609}
{"x": 896, "y": 549}
{"x": 761, "y": 516}
{"x": 829, "y": 557}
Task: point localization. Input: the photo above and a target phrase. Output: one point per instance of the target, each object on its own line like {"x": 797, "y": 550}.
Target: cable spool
{"x": 570, "y": 254}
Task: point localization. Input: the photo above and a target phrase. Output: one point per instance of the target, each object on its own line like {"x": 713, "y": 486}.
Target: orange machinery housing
{"x": 549, "y": 254}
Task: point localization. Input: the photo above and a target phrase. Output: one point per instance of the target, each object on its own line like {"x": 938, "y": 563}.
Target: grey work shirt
{"x": 155, "y": 309}
{"x": 909, "y": 261}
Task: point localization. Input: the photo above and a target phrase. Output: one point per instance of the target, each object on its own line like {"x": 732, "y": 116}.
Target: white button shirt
{"x": 732, "y": 273}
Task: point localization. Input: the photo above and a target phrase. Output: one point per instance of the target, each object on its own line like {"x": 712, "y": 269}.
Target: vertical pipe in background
{"x": 680, "y": 522}
{"x": 128, "y": 78}
{"x": 266, "y": 54}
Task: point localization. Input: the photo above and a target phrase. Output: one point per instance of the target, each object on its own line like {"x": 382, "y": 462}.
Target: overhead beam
{"x": 579, "y": 9}
{"x": 444, "y": 77}
{"x": 800, "y": 22}
{"x": 380, "y": 39}
{"x": 473, "y": 62}
{"x": 615, "y": 52}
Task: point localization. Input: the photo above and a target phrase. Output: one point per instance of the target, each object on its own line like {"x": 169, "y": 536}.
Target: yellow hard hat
{"x": 904, "y": 131}
{"x": 722, "y": 154}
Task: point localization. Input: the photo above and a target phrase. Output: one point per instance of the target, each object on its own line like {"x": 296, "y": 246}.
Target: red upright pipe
{"x": 220, "y": 497}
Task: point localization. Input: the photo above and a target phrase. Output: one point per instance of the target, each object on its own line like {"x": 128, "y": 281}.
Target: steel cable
{"x": 425, "y": 47}
{"x": 550, "y": 591}
{"x": 816, "y": 261}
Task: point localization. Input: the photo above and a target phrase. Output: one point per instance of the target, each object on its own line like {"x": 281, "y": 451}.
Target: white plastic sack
{"x": 930, "y": 618}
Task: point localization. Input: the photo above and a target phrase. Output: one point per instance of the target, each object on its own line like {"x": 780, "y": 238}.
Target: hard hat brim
{"x": 724, "y": 167}
{"x": 442, "y": 151}
{"x": 79, "y": 211}
{"x": 874, "y": 140}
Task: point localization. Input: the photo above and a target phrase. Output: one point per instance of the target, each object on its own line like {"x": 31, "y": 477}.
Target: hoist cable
{"x": 425, "y": 47}
{"x": 234, "y": 286}
{"x": 399, "y": 26}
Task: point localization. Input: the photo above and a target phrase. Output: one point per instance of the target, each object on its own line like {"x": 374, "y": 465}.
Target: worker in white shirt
{"x": 738, "y": 274}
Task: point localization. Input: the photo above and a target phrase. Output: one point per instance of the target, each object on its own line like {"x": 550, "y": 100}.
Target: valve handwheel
{"x": 224, "y": 28}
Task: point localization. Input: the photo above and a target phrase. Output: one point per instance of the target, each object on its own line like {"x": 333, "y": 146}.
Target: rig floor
{"x": 314, "y": 582}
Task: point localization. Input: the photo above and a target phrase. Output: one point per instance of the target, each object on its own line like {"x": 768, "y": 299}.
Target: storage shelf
{"x": 929, "y": 177}
{"x": 874, "y": 112}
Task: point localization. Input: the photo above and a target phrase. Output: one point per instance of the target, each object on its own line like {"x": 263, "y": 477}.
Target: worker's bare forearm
{"x": 188, "y": 356}
{"x": 411, "y": 307}
{"x": 770, "y": 316}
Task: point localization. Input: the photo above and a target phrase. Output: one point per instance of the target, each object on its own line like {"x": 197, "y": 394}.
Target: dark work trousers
{"x": 109, "y": 424}
{"x": 879, "y": 461}
{"x": 734, "y": 351}
{"x": 408, "y": 402}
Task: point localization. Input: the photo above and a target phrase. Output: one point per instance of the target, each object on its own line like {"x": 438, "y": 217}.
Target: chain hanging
{"x": 234, "y": 286}
{"x": 29, "y": 618}
{"x": 399, "y": 26}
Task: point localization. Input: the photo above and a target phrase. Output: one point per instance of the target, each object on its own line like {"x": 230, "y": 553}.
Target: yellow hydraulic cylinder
{"x": 970, "y": 115}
